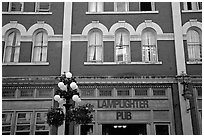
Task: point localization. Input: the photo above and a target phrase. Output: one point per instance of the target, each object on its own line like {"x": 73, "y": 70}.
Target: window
{"x": 43, "y": 6}
{"x": 16, "y": 6}
{"x": 12, "y": 46}
{"x": 86, "y": 129}
{"x": 194, "y": 45}
{"x": 105, "y": 93}
{"x": 88, "y": 93}
{"x": 122, "y": 48}
{"x": 41, "y": 126}
{"x": 192, "y": 5}
{"x": 159, "y": 92}
{"x": 147, "y": 6}
{"x": 95, "y": 46}
{"x": 26, "y": 93}
{"x": 23, "y": 123}
{"x": 162, "y": 129}
{"x": 8, "y": 93}
{"x": 123, "y": 92}
{"x": 121, "y": 6}
{"x": 95, "y": 6}
{"x": 6, "y": 123}
{"x": 149, "y": 47}
{"x": 40, "y": 43}
{"x": 140, "y": 92}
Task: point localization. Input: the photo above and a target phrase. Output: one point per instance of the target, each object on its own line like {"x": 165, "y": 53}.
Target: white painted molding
{"x": 127, "y": 12}
{"x": 95, "y": 24}
{"x": 148, "y": 24}
{"x": 13, "y": 24}
{"x": 115, "y": 63}
{"x": 25, "y": 64}
{"x": 41, "y": 24}
{"x": 191, "y": 23}
{"x": 122, "y": 24}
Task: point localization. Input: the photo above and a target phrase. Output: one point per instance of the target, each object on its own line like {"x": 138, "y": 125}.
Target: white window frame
{"x": 31, "y": 115}
{"x": 89, "y": 46}
{"x": 149, "y": 46}
{"x": 16, "y": 46}
{"x": 200, "y": 43}
{"x": 37, "y": 7}
{"x": 45, "y": 45}
{"x": 120, "y": 30}
{"x": 45, "y": 124}
{"x": 11, "y": 123}
{"x": 194, "y": 5}
{"x": 152, "y": 6}
{"x": 10, "y": 7}
{"x": 126, "y": 7}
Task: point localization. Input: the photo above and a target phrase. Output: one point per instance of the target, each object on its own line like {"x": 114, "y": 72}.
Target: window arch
{"x": 122, "y": 46}
{"x": 95, "y": 46}
{"x": 149, "y": 45}
{"x": 12, "y": 46}
{"x": 40, "y": 44}
{"x": 194, "y": 45}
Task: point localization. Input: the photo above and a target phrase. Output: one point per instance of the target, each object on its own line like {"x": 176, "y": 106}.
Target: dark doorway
{"x": 124, "y": 129}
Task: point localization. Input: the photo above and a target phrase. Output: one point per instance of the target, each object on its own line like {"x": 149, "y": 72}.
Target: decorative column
{"x": 181, "y": 66}
{"x": 66, "y": 46}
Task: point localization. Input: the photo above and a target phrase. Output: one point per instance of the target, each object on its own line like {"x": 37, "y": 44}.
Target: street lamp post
{"x": 66, "y": 95}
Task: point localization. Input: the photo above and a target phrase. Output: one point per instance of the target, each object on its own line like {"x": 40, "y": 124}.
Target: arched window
{"x": 40, "y": 42}
{"x": 149, "y": 46}
{"x": 122, "y": 46}
{"x": 95, "y": 46}
{"x": 12, "y": 46}
{"x": 194, "y": 45}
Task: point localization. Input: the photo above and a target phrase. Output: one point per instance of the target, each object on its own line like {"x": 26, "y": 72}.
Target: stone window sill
{"x": 115, "y": 63}
{"x": 128, "y": 12}
{"x": 25, "y": 64}
{"x": 23, "y": 13}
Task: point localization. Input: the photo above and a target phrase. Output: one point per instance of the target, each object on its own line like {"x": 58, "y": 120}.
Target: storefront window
{"x": 23, "y": 123}
{"x": 6, "y": 123}
{"x": 162, "y": 129}
{"x": 86, "y": 129}
{"x": 41, "y": 127}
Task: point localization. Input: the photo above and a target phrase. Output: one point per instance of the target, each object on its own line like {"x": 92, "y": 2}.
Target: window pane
{"x": 123, "y": 92}
{"x": 121, "y": 6}
{"x": 8, "y": 93}
{"x": 16, "y": 6}
{"x": 26, "y": 92}
{"x": 86, "y": 129}
{"x": 24, "y": 118}
{"x": 105, "y": 92}
{"x": 43, "y": 6}
{"x": 140, "y": 92}
{"x": 6, "y": 118}
{"x": 145, "y": 6}
{"x": 162, "y": 129}
{"x": 41, "y": 118}
{"x": 159, "y": 92}
{"x": 23, "y": 127}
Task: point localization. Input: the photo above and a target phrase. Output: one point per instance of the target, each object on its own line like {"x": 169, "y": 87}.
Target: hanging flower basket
{"x": 55, "y": 116}
{"x": 81, "y": 114}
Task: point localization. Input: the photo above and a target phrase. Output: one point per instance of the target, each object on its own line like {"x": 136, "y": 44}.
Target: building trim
{"x": 148, "y": 24}
{"x": 127, "y": 12}
{"x": 11, "y": 25}
{"x": 121, "y": 24}
{"x": 38, "y": 25}
{"x": 26, "y": 13}
{"x": 95, "y": 24}
{"x": 116, "y": 63}
{"x": 66, "y": 43}
{"x": 181, "y": 67}
{"x": 191, "y": 23}
{"x": 164, "y": 36}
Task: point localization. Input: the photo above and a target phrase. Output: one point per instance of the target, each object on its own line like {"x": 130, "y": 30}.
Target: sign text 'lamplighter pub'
{"x": 123, "y": 103}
